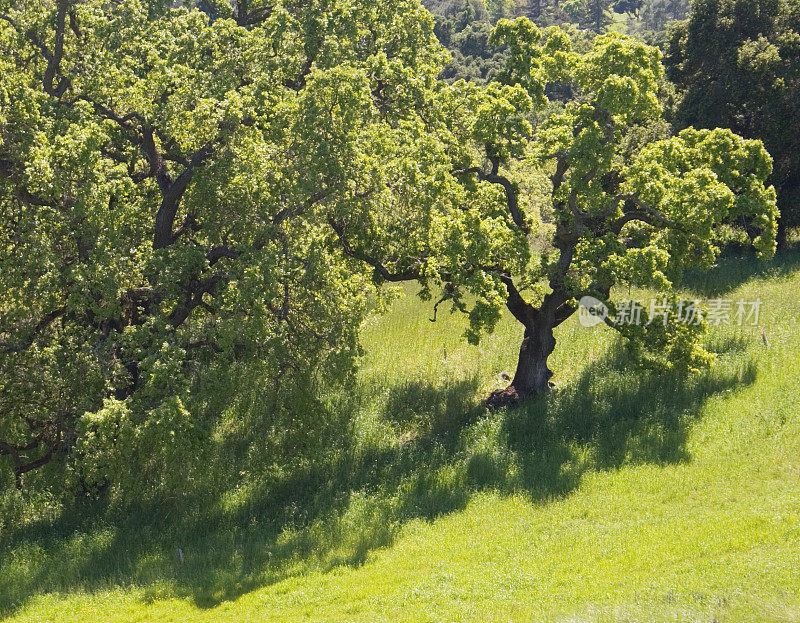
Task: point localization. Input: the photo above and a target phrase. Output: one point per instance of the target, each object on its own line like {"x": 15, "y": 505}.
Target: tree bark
{"x": 782, "y": 236}
{"x": 533, "y": 374}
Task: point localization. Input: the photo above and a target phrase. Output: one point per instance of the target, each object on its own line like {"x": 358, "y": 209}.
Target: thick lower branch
{"x": 164, "y": 233}
{"x": 194, "y": 298}
{"x": 523, "y": 311}
{"x": 21, "y": 466}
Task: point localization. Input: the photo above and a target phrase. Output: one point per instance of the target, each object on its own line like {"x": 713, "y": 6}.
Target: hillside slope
{"x": 621, "y": 496}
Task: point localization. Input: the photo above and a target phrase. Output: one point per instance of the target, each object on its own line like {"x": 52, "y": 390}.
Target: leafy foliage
{"x": 655, "y": 15}
{"x": 621, "y": 211}
{"x": 464, "y": 27}
{"x": 592, "y": 14}
{"x": 185, "y": 191}
{"x": 168, "y": 187}
{"x": 628, "y": 6}
{"x": 542, "y": 12}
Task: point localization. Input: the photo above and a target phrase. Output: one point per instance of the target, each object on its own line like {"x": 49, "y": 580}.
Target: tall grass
{"x": 623, "y": 494}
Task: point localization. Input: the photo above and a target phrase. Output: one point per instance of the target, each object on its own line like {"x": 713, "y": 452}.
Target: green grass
{"x": 623, "y": 495}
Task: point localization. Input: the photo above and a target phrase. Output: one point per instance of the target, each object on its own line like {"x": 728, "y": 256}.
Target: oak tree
{"x": 618, "y": 210}
{"x": 171, "y": 184}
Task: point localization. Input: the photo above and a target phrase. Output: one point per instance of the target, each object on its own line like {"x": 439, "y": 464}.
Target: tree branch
{"x": 54, "y": 61}
{"x": 645, "y": 213}
{"x": 510, "y": 188}
{"x": 380, "y": 270}
{"x": 194, "y": 297}
{"x": 172, "y": 193}
{"x": 215, "y": 254}
{"x": 45, "y": 322}
{"x": 523, "y": 311}
{"x": 564, "y": 312}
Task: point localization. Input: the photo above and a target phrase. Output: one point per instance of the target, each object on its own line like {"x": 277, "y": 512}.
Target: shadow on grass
{"x": 737, "y": 266}
{"x": 328, "y": 513}
{"x": 611, "y": 417}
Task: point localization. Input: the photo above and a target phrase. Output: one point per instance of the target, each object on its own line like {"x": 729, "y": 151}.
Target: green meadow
{"x": 622, "y": 495}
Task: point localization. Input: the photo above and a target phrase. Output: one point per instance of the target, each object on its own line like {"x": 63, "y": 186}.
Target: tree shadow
{"x": 612, "y": 416}
{"x": 321, "y": 515}
{"x": 737, "y": 266}
{"x": 435, "y": 412}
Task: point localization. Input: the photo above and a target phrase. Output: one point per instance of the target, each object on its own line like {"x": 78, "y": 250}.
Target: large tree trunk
{"x": 533, "y": 375}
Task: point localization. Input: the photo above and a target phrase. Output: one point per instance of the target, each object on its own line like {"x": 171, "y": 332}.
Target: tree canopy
{"x": 183, "y": 190}
{"x": 592, "y": 14}
{"x": 169, "y": 184}
{"x": 619, "y": 212}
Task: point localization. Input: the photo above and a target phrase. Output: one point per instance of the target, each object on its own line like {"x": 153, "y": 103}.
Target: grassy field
{"x": 622, "y": 495}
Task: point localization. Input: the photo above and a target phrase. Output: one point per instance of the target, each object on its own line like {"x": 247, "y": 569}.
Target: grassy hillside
{"x": 621, "y": 496}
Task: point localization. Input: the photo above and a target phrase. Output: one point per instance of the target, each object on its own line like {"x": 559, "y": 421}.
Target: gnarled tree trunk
{"x": 533, "y": 374}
